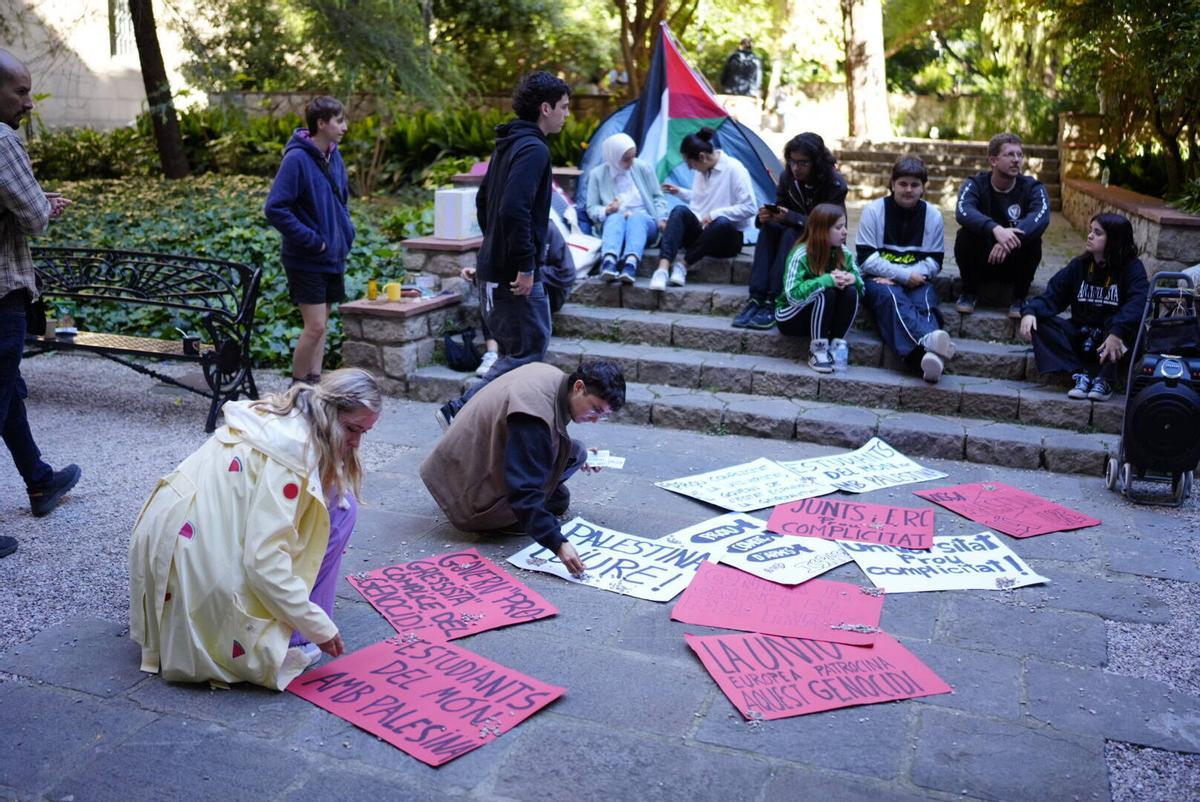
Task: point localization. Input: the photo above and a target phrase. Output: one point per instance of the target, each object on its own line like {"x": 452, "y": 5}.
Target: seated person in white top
{"x": 720, "y": 205}
{"x": 900, "y": 244}
{"x": 626, "y": 202}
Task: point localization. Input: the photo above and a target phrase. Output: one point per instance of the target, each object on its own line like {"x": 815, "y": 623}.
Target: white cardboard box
{"x": 454, "y": 213}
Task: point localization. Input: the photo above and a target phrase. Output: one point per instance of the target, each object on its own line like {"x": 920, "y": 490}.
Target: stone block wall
{"x": 393, "y": 339}
{"x": 1167, "y": 238}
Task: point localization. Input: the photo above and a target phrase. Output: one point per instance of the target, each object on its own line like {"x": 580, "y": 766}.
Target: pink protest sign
{"x": 1007, "y": 509}
{"x": 836, "y": 519}
{"x": 767, "y": 677}
{"x": 433, "y": 701}
{"x": 450, "y": 596}
{"x": 817, "y": 609}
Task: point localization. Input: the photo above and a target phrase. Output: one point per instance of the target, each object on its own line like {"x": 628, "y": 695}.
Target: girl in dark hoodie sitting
{"x": 1105, "y": 288}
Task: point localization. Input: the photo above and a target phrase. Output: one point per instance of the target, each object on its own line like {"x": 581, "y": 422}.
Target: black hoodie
{"x": 1097, "y": 297}
{"x": 513, "y": 203}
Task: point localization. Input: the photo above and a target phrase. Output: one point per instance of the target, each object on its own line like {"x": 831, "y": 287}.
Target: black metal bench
{"x": 220, "y": 295}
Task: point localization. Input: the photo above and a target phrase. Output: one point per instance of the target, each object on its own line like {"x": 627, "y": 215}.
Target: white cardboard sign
{"x": 635, "y": 566}
{"x": 743, "y": 542}
{"x": 957, "y": 562}
{"x": 874, "y": 466}
{"x": 750, "y": 486}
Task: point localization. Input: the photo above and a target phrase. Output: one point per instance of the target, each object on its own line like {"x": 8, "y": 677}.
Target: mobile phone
{"x": 773, "y": 208}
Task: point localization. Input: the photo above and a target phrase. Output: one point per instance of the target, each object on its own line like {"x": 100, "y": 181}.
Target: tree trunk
{"x": 866, "y": 84}
{"x": 167, "y": 136}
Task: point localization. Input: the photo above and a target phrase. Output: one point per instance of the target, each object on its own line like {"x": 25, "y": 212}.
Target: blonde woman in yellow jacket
{"x": 232, "y": 566}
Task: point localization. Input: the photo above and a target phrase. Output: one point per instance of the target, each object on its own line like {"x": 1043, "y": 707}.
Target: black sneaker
{"x": 1101, "y": 390}
{"x": 7, "y": 545}
{"x": 45, "y": 497}
{"x": 445, "y": 415}
{"x": 965, "y": 303}
{"x": 763, "y": 318}
{"x": 743, "y": 318}
{"x": 1083, "y": 386}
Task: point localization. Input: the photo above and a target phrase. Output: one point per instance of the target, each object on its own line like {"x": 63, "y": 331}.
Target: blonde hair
{"x": 345, "y": 390}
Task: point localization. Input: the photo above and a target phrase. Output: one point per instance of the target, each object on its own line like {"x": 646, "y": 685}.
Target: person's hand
{"x": 1010, "y": 238}
{"x": 915, "y": 279}
{"x": 613, "y": 206}
{"x": 998, "y": 254}
{"x": 662, "y": 225}
{"x": 707, "y": 221}
{"x": 883, "y": 280}
{"x": 780, "y": 216}
{"x": 467, "y": 274}
{"x": 333, "y": 647}
{"x": 1028, "y": 327}
{"x": 765, "y": 215}
{"x": 590, "y": 468}
{"x": 523, "y": 285}
{"x": 57, "y": 204}
{"x": 570, "y": 558}
{"x": 1111, "y": 350}
{"x": 670, "y": 188}
{"x": 842, "y": 279}
{"x": 323, "y": 247}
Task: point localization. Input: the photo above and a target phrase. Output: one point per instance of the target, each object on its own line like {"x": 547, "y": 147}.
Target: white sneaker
{"x": 932, "y": 367}
{"x": 679, "y": 274}
{"x": 939, "y": 342}
{"x": 659, "y": 280}
{"x": 489, "y": 359}
{"x": 820, "y": 359}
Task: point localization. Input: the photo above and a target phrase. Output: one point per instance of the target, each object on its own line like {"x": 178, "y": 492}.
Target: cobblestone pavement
{"x": 1083, "y": 689}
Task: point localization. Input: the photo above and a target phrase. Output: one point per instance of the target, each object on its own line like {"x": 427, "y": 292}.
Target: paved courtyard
{"x": 1083, "y": 689}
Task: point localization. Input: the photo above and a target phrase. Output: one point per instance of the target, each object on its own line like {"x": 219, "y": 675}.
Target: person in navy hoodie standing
{"x": 513, "y": 206}
{"x": 308, "y": 205}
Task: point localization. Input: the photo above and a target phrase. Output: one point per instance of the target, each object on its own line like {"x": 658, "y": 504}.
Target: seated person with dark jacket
{"x": 1105, "y": 288}
{"x": 503, "y": 463}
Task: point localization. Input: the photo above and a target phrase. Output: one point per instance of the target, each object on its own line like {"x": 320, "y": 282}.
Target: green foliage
{"x": 221, "y": 217}
{"x": 228, "y": 142}
{"x": 1189, "y": 199}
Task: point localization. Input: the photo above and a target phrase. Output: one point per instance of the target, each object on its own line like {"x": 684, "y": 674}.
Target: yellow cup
{"x": 393, "y": 291}
{"x": 372, "y": 289}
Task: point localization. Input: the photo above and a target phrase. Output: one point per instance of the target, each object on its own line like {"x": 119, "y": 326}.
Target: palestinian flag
{"x": 676, "y": 101}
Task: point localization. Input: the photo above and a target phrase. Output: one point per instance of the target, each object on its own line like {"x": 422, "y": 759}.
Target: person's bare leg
{"x": 310, "y": 347}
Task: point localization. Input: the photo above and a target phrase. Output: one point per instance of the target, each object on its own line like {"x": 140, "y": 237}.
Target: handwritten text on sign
{"x": 752, "y": 486}
{"x": 432, "y": 700}
{"x": 1007, "y": 509}
{"x": 835, "y": 519}
{"x": 768, "y": 677}
{"x": 979, "y": 562}
{"x": 744, "y": 543}
{"x": 450, "y": 596}
{"x": 818, "y": 609}
{"x": 876, "y": 465}
{"x": 635, "y": 566}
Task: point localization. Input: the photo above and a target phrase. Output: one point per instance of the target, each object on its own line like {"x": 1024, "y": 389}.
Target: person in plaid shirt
{"x": 25, "y": 210}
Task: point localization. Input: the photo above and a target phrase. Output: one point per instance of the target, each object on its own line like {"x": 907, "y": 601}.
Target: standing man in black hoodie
{"x": 513, "y": 206}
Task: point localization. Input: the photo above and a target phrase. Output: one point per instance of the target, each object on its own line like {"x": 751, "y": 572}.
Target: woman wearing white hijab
{"x": 625, "y": 201}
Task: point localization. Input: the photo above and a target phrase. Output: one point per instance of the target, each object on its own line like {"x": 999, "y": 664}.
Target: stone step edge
{"x": 958, "y": 396}
{"x": 915, "y": 434}
{"x": 711, "y": 334}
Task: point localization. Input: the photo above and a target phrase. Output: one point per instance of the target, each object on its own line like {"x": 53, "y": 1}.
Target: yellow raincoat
{"x": 224, "y": 556}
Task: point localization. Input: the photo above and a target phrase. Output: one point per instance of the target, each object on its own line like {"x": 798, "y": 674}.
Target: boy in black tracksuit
{"x": 513, "y": 206}
{"x": 1106, "y": 303}
{"x": 1002, "y": 216}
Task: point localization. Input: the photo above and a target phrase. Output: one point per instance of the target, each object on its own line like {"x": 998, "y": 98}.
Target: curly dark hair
{"x": 813, "y": 146}
{"x": 602, "y": 379}
{"x": 535, "y": 89}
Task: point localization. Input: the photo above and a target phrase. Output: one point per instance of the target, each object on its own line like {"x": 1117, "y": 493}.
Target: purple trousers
{"x": 341, "y": 524}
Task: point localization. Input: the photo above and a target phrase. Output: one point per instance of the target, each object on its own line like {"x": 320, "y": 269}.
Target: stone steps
{"x": 918, "y": 434}
{"x": 860, "y": 170}
{"x": 933, "y": 148}
{"x": 714, "y": 334}
{"x": 995, "y": 399}
{"x": 726, "y": 300}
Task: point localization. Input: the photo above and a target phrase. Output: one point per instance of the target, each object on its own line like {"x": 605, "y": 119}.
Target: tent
{"x": 676, "y": 101}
